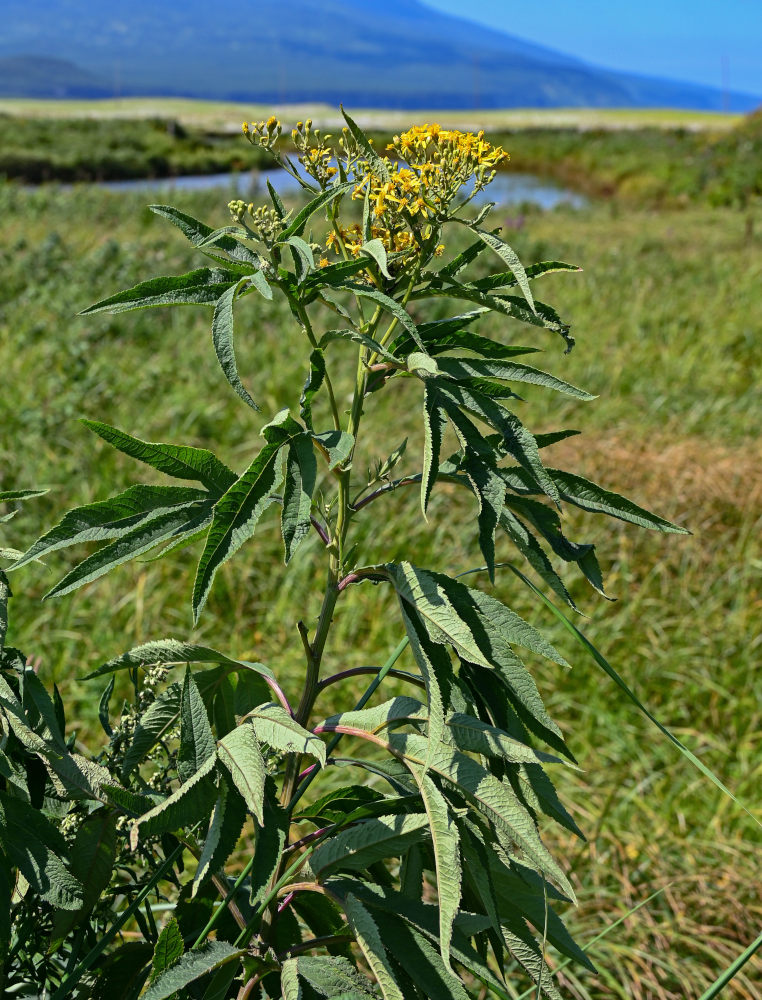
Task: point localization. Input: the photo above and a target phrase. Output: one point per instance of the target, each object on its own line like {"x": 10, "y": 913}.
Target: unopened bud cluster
{"x": 264, "y": 134}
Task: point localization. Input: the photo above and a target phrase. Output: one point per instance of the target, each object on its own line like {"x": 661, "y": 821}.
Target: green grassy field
{"x": 667, "y": 317}
{"x": 222, "y": 115}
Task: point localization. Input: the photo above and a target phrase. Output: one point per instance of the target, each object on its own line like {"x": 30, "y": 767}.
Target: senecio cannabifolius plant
{"x": 423, "y": 874}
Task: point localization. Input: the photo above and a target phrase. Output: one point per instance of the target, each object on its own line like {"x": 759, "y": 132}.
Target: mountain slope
{"x": 391, "y": 53}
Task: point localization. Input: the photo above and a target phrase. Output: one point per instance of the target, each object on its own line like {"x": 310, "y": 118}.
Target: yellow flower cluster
{"x": 263, "y": 133}
{"x": 352, "y": 238}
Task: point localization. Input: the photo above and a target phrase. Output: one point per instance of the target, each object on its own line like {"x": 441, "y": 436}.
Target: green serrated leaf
{"x": 200, "y": 287}
{"x": 222, "y": 338}
{"x": 363, "y": 339}
{"x": 225, "y": 826}
{"x": 336, "y": 446}
{"x": 113, "y": 518}
{"x": 333, "y": 976}
{"x": 376, "y": 164}
{"x": 296, "y": 227}
{"x": 196, "y": 232}
{"x": 197, "y": 743}
{"x": 149, "y": 533}
{"x": 368, "y": 841}
{"x": 239, "y": 752}
{"x": 274, "y": 726}
{"x": 34, "y": 846}
{"x": 376, "y": 250}
{"x": 92, "y": 860}
{"x": 178, "y": 461}
{"x": 301, "y": 477}
{"x": 168, "y": 651}
{"x": 192, "y": 966}
{"x": 186, "y": 805}
{"x": 445, "y": 841}
{"x": 168, "y": 949}
{"x": 312, "y": 386}
{"x": 235, "y": 519}
{"x": 369, "y": 940}
{"x": 510, "y": 257}
{"x": 289, "y": 980}
{"x": 459, "y": 368}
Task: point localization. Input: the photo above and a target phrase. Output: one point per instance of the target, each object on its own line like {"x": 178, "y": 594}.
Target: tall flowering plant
{"x": 397, "y": 849}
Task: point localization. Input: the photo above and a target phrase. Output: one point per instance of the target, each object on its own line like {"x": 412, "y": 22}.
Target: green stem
{"x": 304, "y": 319}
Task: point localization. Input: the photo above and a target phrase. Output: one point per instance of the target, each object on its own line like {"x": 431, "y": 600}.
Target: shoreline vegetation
{"x": 647, "y": 158}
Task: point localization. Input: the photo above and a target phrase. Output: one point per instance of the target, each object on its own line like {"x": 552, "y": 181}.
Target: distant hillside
{"x": 35, "y": 76}
{"x": 372, "y": 53}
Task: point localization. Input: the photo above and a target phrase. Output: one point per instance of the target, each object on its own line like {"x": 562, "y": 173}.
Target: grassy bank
{"x": 666, "y": 314}
{"x": 638, "y": 158}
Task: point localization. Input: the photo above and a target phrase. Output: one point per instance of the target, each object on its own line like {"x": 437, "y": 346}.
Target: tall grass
{"x": 681, "y": 436}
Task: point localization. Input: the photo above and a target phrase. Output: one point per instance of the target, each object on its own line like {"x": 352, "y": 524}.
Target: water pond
{"x": 508, "y": 189}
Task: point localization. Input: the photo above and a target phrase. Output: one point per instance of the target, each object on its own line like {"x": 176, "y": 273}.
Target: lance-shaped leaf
{"x": 333, "y": 976}
{"x": 423, "y": 964}
{"x": 435, "y": 666}
{"x": 186, "y": 805}
{"x": 274, "y": 726}
{"x": 289, "y": 980}
{"x": 359, "y": 338}
{"x": 222, "y": 338}
{"x": 376, "y": 250}
{"x": 509, "y": 305}
{"x": 396, "y": 309}
{"x": 235, "y": 519}
{"x": 466, "y": 368}
{"x": 525, "y": 890}
{"x": 168, "y": 948}
{"x": 312, "y": 385}
{"x": 369, "y": 841}
{"x": 333, "y": 274}
{"x": 533, "y": 552}
{"x": 477, "y": 736}
{"x": 169, "y": 651}
{"x": 369, "y": 940}
{"x": 591, "y": 497}
{"x": 304, "y": 262}
{"x": 192, "y": 966}
{"x": 445, "y": 841}
{"x": 425, "y": 918}
{"x": 106, "y": 519}
{"x": 271, "y": 840}
{"x": 301, "y": 477}
{"x": 376, "y": 164}
{"x": 511, "y": 258}
{"x": 184, "y": 520}
{"x": 225, "y": 826}
{"x": 178, "y": 461}
{"x": 196, "y": 739}
{"x": 296, "y": 227}
{"x": 336, "y": 446}
{"x": 518, "y": 441}
{"x": 200, "y": 287}
{"x": 507, "y": 278}
{"x": 474, "y": 623}
{"x": 92, "y": 859}
{"x": 434, "y": 423}
{"x": 495, "y": 800}
{"x": 5, "y": 594}
{"x": 197, "y": 232}
{"x": 239, "y": 752}
{"x": 34, "y": 846}
{"x": 442, "y": 341}
{"x": 378, "y": 718}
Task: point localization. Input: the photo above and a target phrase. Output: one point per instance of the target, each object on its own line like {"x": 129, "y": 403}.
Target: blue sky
{"x": 715, "y": 42}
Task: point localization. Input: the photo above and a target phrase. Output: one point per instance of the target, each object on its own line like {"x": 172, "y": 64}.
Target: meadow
{"x": 666, "y": 314}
